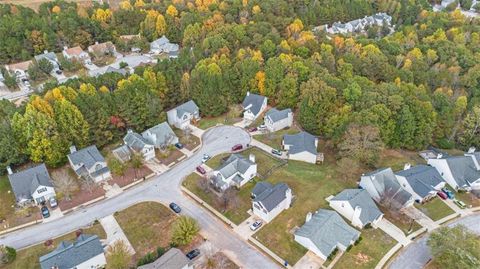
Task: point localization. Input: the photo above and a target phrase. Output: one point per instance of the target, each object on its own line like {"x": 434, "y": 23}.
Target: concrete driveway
{"x": 164, "y": 188}
{"x": 114, "y": 232}
{"x": 421, "y": 218}
{"x": 392, "y": 230}
{"x": 243, "y": 229}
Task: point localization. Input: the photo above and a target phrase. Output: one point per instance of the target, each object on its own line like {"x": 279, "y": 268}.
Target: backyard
{"x": 274, "y": 140}
{"x": 435, "y": 209}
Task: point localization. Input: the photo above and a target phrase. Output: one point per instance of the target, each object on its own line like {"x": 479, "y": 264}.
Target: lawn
{"x": 265, "y": 162}
{"x": 435, "y": 209}
{"x": 147, "y": 226}
{"x": 28, "y": 258}
{"x": 7, "y": 199}
{"x": 274, "y": 140}
{"x": 468, "y": 198}
{"x": 374, "y": 245}
{"x": 229, "y": 118}
{"x": 396, "y": 159}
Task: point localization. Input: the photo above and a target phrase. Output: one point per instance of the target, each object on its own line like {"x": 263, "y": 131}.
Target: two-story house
{"x": 49, "y": 56}
{"x": 183, "y": 115}
{"x": 31, "y": 185}
{"x": 89, "y": 163}
{"x": 421, "y": 181}
{"x": 253, "y": 105}
{"x": 276, "y": 120}
{"x": 76, "y": 53}
{"x": 139, "y": 145}
{"x": 172, "y": 259}
{"x": 160, "y": 136}
{"x": 163, "y": 45}
{"x": 235, "y": 171}
{"x": 270, "y": 200}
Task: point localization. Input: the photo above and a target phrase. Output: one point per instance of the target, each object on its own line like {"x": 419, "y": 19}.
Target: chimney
{"x": 9, "y": 170}
{"x": 439, "y": 156}
{"x": 251, "y": 157}
{"x": 73, "y": 149}
{"x": 248, "y": 93}
{"x": 96, "y": 42}
{"x": 45, "y": 51}
{"x": 308, "y": 217}
{"x": 129, "y": 131}
{"x": 407, "y": 166}
{"x": 471, "y": 150}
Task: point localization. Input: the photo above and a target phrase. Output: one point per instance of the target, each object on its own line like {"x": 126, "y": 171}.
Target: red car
{"x": 442, "y": 195}
{"x": 251, "y": 130}
{"x": 237, "y": 147}
{"x": 201, "y": 170}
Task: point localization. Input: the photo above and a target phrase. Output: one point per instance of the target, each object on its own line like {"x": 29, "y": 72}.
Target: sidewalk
{"x": 393, "y": 231}
{"x": 115, "y": 232}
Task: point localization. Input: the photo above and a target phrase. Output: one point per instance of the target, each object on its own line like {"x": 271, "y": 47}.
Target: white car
{"x": 205, "y": 158}
{"x": 257, "y": 224}
{"x": 53, "y": 202}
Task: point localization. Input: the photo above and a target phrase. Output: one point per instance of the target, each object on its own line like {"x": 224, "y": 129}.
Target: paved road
{"x": 417, "y": 254}
{"x": 163, "y": 188}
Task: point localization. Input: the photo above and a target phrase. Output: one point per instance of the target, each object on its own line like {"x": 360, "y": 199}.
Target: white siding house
{"x": 89, "y": 163}
{"x": 421, "y": 181}
{"x": 253, "y": 105}
{"x": 182, "y": 115}
{"x": 160, "y": 136}
{"x": 460, "y": 172}
{"x": 235, "y": 171}
{"x": 269, "y": 200}
{"x": 276, "y": 120}
{"x": 357, "y": 206}
{"x": 301, "y": 147}
{"x": 31, "y": 185}
{"x": 139, "y": 145}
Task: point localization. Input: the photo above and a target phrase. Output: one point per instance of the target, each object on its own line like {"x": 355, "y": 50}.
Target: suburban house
{"x": 253, "y": 105}
{"x": 460, "y": 172}
{"x": 49, "y": 56}
{"x": 31, "y": 185}
{"x": 139, "y": 145}
{"x": 84, "y": 253}
{"x": 301, "y": 147}
{"x": 76, "y": 53}
{"x": 432, "y": 153}
{"x": 161, "y": 135}
{"x": 235, "y": 171}
{"x": 133, "y": 61}
{"x": 422, "y": 181}
{"x": 276, "y": 120}
{"x": 163, "y": 45}
{"x": 89, "y": 163}
{"x": 358, "y": 25}
{"x": 106, "y": 69}
{"x": 325, "y": 231}
{"x": 19, "y": 69}
{"x": 102, "y": 49}
{"x": 172, "y": 259}
{"x": 357, "y": 206}
{"x": 270, "y": 200}
{"x": 122, "y": 153}
{"x": 182, "y": 115}
{"x": 383, "y": 187}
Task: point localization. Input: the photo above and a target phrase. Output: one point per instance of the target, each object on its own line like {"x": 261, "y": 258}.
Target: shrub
{"x": 332, "y": 255}
{"x": 358, "y": 241}
{"x": 160, "y": 251}
{"x": 184, "y": 230}
{"x": 7, "y": 254}
{"x": 149, "y": 258}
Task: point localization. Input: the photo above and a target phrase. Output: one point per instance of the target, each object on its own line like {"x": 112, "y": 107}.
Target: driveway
{"x": 114, "y": 232}
{"x": 392, "y": 230}
{"x": 421, "y": 218}
{"x": 164, "y": 188}
{"x": 243, "y": 229}
{"x": 417, "y": 254}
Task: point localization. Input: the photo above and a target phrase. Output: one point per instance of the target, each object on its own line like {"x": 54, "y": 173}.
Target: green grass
{"x": 147, "y": 226}
{"x": 216, "y": 161}
{"x": 28, "y": 258}
{"x": 396, "y": 159}
{"x": 229, "y": 118}
{"x": 7, "y": 199}
{"x": 435, "y": 209}
{"x": 265, "y": 162}
{"x": 274, "y": 140}
{"x": 468, "y": 198}
{"x": 374, "y": 245}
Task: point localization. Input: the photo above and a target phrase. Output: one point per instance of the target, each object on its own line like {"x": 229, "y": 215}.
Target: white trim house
{"x": 182, "y": 115}
{"x": 235, "y": 171}
{"x": 160, "y": 135}
{"x": 421, "y": 181}
{"x": 357, "y": 206}
{"x": 89, "y": 163}
{"x": 139, "y": 145}
{"x": 270, "y": 200}
{"x": 276, "y": 120}
{"x": 31, "y": 185}
{"x": 301, "y": 147}
{"x": 253, "y": 105}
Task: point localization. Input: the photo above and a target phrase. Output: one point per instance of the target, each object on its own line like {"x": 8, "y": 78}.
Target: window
{"x": 44, "y": 189}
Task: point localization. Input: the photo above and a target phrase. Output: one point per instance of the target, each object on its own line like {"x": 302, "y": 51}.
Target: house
{"x": 31, "y": 185}
{"x": 235, "y": 171}
{"x": 460, "y": 172}
{"x": 432, "y": 153}
{"x": 49, "y": 56}
{"x": 139, "y": 145}
{"x": 182, "y": 115}
{"x": 19, "y": 69}
{"x": 325, "y": 231}
{"x": 76, "y": 53}
{"x": 421, "y": 181}
{"x": 360, "y": 25}
{"x": 84, "y": 253}
{"x": 253, "y": 105}
{"x": 301, "y": 147}
{"x": 160, "y": 135}
{"x": 172, "y": 259}
{"x": 383, "y": 187}
{"x": 276, "y": 120}
{"x": 106, "y": 69}
{"x": 357, "y": 206}
{"x": 122, "y": 153}
{"x": 270, "y": 200}
{"x": 89, "y": 163}
{"x": 163, "y": 45}
{"x": 133, "y": 61}
{"x": 102, "y": 49}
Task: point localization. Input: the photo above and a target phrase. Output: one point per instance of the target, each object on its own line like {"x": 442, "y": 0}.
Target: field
{"x": 231, "y": 117}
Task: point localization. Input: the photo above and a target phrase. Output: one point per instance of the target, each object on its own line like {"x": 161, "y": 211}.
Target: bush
{"x": 184, "y": 230}
{"x": 368, "y": 226}
{"x": 332, "y": 255}
{"x": 160, "y": 251}
{"x": 123, "y": 64}
{"x": 7, "y": 254}
{"x": 358, "y": 241}
{"x": 149, "y": 258}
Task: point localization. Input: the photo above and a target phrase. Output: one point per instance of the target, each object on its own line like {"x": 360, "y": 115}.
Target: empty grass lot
{"x": 28, "y": 258}
{"x": 147, "y": 226}
{"x": 435, "y": 209}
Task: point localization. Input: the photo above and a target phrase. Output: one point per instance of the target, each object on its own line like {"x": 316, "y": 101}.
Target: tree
{"x": 471, "y": 129}
{"x": 229, "y": 199}
{"x": 64, "y": 183}
{"x": 361, "y": 143}
{"x": 455, "y": 247}
{"x": 136, "y": 162}
{"x": 7, "y": 254}
{"x": 117, "y": 167}
{"x": 184, "y": 230}
{"x": 118, "y": 256}
{"x": 45, "y": 65}
{"x": 172, "y": 11}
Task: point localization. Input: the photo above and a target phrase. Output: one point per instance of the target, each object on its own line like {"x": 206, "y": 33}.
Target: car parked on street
{"x": 257, "y": 224}
{"x": 201, "y": 170}
{"x": 53, "y": 202}
{"x": 175, "y": 208}
{"x": 442, "y": 195}
{"x": 276, "y": 152}
{"x": 193, "y": 254}
{"x": 237, "y": 147}
{"x": 179, "y": 145}
{"x": 449, "y": 193}
{"x": 460, "y": 204}
{"x": 205, "y": 158}
{"x": 45, "y": 212}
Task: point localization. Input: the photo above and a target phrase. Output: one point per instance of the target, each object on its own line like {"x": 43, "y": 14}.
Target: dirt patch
{"x": 218, "y": 260}
{"x": 130, "y": 176}
{"x": 170, "y": 157}
{"x": 361, "y": 258}
{"x": 84, "y": 195}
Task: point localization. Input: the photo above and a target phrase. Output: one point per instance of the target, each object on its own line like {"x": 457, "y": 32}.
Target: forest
{"x": 416, "y": 87}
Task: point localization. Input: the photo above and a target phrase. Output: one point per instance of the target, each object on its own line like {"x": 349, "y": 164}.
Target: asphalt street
{"x": 164, "y": 188}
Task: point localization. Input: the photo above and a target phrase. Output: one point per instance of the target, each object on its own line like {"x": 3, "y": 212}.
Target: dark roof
{"x": 360, "y": 198}
{"x": 172, "y": 259}
{"x": 300, "y": 142}
{"x": 422, "y": 179}
{"x": 69, "y": 255}
{"x": 158, "y": 134}
{"x": 261, "y": 187}
{"x": 26, "y": 182}
{"x": 273, "y": 196}
{"x": 255, "y": 102}
{"x": 276, "y": 115}
{"x": 88, "y": 156}
{"x": 188, "y": 107}
{"x": 463, "y": 169}
{"x": 135, "y": 141}
{"x": 386, "y": 183}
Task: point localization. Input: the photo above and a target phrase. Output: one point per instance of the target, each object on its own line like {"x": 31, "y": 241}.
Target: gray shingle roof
{"x": 261, "y": 187}
{"x": 300, "y": 142}
{"x": 172, "y": 259}
{"x": 255, "y": 102}
{"x": 122, "y": 153}
{"x": 161, "y": 132}
{"x": 272, "y": 196}
{"x": 25, "y": 182}
{"x": 68, "y": 255}
{"x": 235, "y": 163}
{"x": 386, "y": 183}
{"x": 88, "y": 156}
{"x": 326, "y": 229}
{"x": 49, "y": 56}
{"x": 188, "y": 107}
{"x": 360, "y": 198}
{"x": 276, "y": 115}
{"x": 135, "y": 141}
{"x": 106, "y": 69}
{"x": 463, "y": 170}
{"x": 422, "y": 179}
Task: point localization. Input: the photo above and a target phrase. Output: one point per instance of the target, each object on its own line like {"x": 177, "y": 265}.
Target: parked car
{"x": 175, "y": 208}
{"x": 237, "y": 147}
{"x": 460, "y": 204}
{"x": 205, "y": 158}
{"x": 193, "y": 254}
{"x": 257, "y": 224}
{"x": 262, "y": 127}
{"x": 53, "y": 202}
{"x": 59, "y": 72}
{"x": 45, "y": 212}
{"x": 253, "y": 129}
{"x": 276, "y": 152}
{"x": 201, "y": 170}
{"x": 449, "y": 193}
{"x": 24, "y": 79}
{"x": 179, "y": 145}
{"x": 442, "y": 195}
